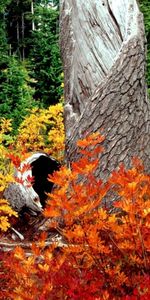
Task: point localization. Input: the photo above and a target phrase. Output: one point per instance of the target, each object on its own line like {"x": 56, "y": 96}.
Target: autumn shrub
{"x": 5, "y": 139}
{"x": 42, "y": 130}
{"x": 103, "y": 255}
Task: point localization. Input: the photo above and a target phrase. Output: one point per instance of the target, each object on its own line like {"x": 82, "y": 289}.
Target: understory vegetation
{"x": 103, "y": 255}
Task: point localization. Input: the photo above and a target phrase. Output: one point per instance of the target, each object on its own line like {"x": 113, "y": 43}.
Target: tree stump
{"x": 103, "y": 52}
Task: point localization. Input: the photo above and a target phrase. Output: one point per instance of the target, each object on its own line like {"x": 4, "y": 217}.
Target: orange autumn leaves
{"x": 78, "y": 190}
{"x": 103, "y": 255}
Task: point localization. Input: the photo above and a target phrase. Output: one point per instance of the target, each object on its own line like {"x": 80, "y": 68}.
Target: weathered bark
{"x": 103, "y": 52}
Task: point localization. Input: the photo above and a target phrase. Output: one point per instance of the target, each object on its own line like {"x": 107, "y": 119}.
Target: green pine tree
{"x": 45, "y": 56}
{"x": 4, "y": 48}
{"x": 145, "y": 8}
{"x": 15, "y": 92}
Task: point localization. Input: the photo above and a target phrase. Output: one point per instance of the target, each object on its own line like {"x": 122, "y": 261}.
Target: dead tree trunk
{"x": 103, "y": 53}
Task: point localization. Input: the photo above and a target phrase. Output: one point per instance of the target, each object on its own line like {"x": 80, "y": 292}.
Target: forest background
{"x": 30, "y": 64}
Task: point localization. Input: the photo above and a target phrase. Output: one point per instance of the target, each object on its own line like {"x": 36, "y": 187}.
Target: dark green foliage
{"x": 3, "y": 34}
{"x": 3, "y": 4}
{"x": 15, "y": 92}
{"x": 39, "y": 46}
{"x": 3, "y": 39}
{"x": 45, "y": 56}
{"x": 145, "y": 8}
{"x": 19, "y": 43}
{"x": 19, "y": 26}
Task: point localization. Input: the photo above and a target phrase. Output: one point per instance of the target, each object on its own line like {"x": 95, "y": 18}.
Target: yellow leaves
{"x": 112, "y": 219}
{"x": 6, "y": 208}
{"x": 44, "y": 267}
{"x": 146, "y": 212}
{"x": 4, "y": 224}
{"x": 43, "y": 129}
{"x": 2, "y": 187}
{"x": 5, "y": 177}
{"x": 48, "y": 255}
{"x": 5, "y": 125}
{"x": 19, "y": 253}
{"x": 4, "y": 180}
{"x": 102, "y": 214}
{"x": 5, "y": 139}
{"x": 5, "y": 212}
{"x": 132, "y": 186}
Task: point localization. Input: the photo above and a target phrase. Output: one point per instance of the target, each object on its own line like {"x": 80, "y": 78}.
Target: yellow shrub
{"x": 5, "y": 212}
{"x": 43, "y": 130}
{"x": 5, "y": 172}
{"x": 5, "y": 140}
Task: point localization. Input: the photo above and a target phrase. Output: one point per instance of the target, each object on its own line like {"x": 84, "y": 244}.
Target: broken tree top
{"x": 103, "y": 54}
{"x": 92, "y": 36}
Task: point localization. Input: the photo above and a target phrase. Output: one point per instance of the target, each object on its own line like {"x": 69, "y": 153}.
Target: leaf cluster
{"x": 15, "y": 92}
{"x": 104, "y": 255}
{"x": 42, "y": 130}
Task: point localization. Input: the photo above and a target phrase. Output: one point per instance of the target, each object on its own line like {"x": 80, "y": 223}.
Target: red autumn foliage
{"x": 104, "y": 255}
{"x": 15, "y": 159}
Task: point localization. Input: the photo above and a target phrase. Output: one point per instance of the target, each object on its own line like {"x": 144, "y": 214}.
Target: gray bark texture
{"x": 103, "y": 52}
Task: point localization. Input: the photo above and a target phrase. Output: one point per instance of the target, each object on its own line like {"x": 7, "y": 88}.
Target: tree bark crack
{"x": 114, "y": 20}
